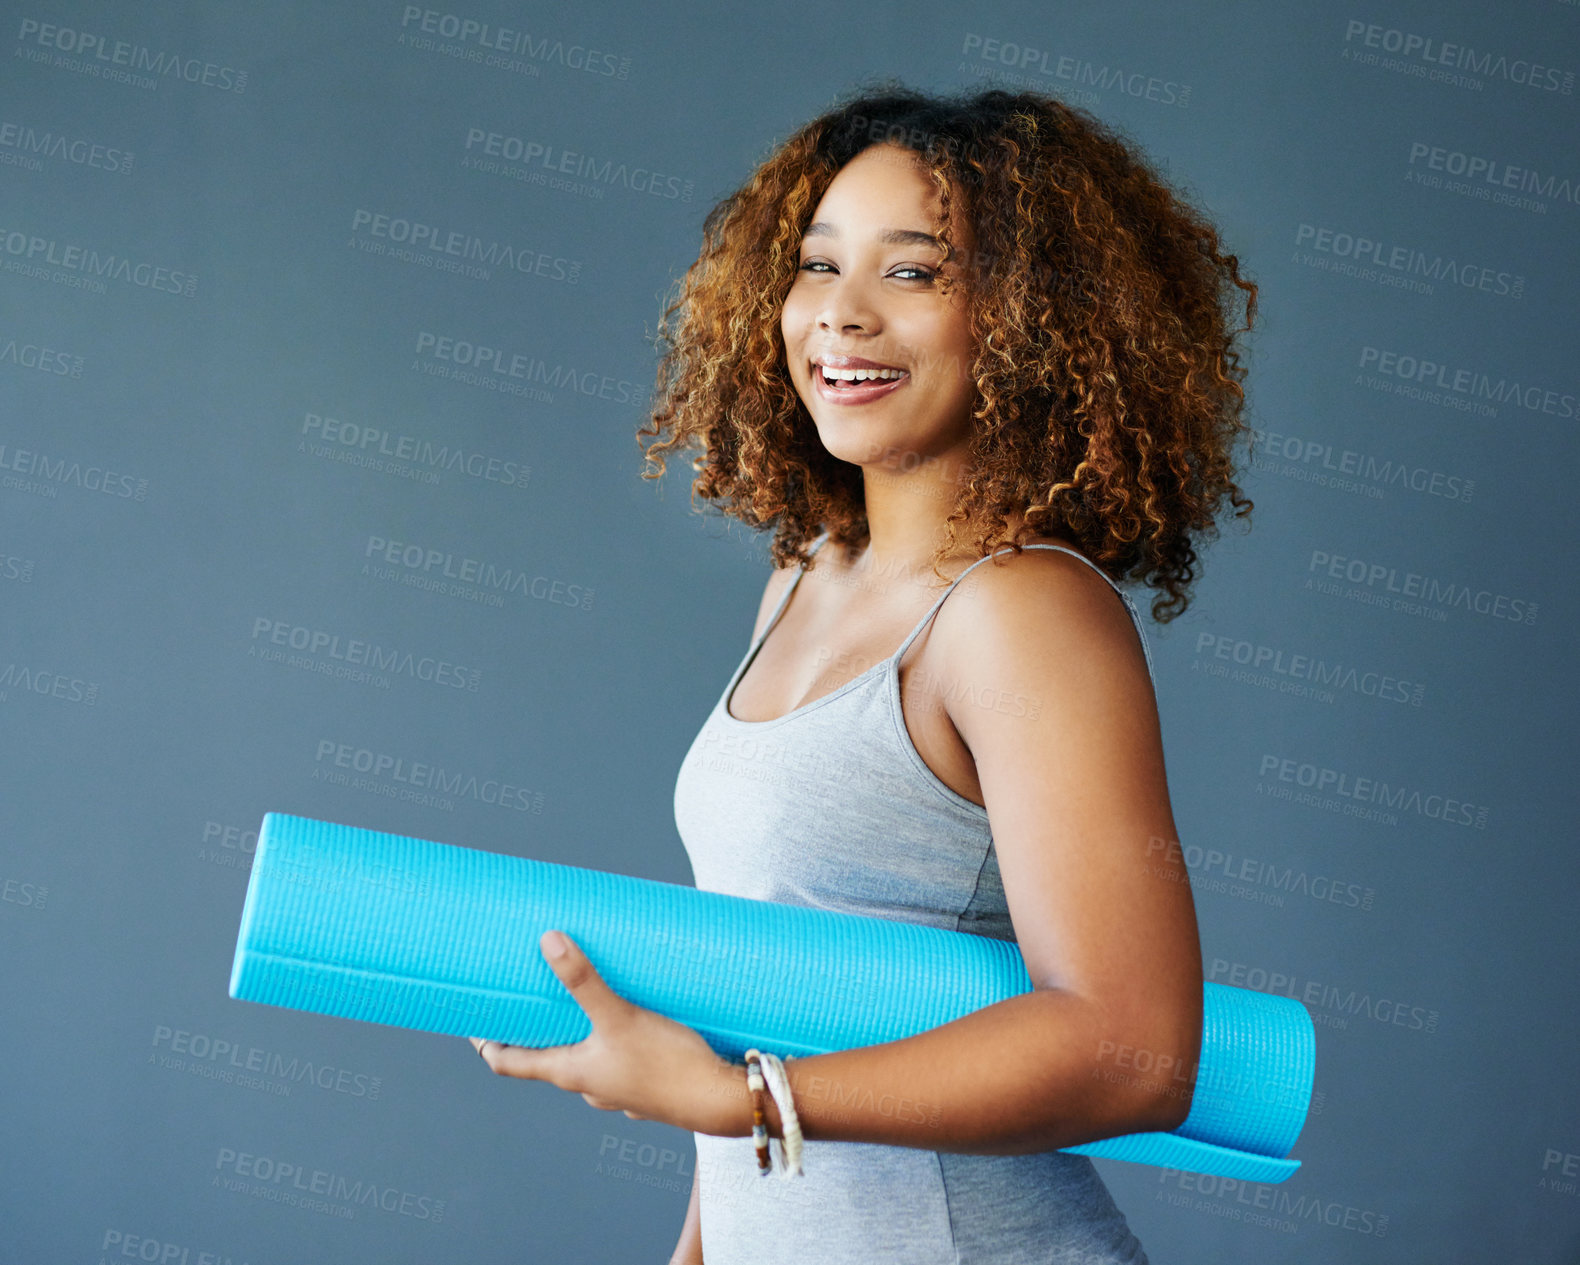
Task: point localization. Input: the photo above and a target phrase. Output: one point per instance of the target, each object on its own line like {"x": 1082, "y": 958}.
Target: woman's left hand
{"x": 635, "y": 1060}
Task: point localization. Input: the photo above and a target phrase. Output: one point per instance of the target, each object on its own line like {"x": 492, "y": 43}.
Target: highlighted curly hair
{"x": 1104, "y": 315}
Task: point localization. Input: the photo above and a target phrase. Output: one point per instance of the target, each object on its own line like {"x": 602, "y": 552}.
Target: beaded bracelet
{"x": 754, "y": 1082}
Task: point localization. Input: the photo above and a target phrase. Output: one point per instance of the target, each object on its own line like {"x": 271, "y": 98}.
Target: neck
{"x": 906, "y": 521}
{"x": 906, "y": 513}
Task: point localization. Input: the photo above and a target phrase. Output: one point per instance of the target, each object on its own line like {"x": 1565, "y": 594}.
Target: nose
{"x": 847, "y": 307}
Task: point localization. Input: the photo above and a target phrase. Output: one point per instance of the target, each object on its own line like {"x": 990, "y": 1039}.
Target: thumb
{"x": 571, "y": 966}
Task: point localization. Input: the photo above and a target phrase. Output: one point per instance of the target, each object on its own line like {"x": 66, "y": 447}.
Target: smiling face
{"x": 865, "y": 304}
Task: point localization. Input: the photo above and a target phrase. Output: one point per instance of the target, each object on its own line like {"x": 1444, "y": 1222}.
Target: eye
{"x": 906, "y": 272}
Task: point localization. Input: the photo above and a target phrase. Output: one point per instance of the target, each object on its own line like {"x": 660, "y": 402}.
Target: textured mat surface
{"x": 440, "y": 938}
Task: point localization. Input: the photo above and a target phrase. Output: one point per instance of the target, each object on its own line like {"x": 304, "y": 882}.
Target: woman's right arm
{"x": 689, "y": 1250}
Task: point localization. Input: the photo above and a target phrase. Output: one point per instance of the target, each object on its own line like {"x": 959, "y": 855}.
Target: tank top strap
{"x": 927, "y": 618}
{"x": 1123, "y": 596}
{"x": 784, "y": 598}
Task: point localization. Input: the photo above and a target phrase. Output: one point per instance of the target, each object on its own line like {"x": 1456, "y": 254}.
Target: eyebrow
{"x": 889, "y": 236}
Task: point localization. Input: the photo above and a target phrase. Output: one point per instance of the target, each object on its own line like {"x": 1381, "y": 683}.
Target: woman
{"x": 938, "y": 333}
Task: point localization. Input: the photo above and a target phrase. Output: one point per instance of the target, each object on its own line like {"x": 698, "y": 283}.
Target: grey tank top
{"x": 831, "y": 805}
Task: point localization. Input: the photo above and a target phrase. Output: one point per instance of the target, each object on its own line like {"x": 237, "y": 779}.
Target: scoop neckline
{"x": 724, "y": 704}
{"x": 893, "y": 659}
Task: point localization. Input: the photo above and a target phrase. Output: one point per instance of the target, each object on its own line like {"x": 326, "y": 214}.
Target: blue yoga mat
{"x": 431, "y": 936}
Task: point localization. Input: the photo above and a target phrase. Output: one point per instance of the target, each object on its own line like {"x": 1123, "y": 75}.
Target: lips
{"x": 835, "y": 360}
{"x": 854, "y": 379}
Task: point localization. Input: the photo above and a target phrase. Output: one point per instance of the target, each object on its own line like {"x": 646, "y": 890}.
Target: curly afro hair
{"x": 1104, "y": 314}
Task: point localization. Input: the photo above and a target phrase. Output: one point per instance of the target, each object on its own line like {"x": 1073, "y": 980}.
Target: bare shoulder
{"x": 1043, "y": 614}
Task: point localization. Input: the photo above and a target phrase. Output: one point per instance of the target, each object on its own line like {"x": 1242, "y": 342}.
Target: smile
{"x": 856, "y": 386}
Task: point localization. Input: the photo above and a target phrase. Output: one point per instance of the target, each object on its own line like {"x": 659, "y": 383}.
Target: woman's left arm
{"x": 1073, "y": 781}
{"x": 1048, "y": 688}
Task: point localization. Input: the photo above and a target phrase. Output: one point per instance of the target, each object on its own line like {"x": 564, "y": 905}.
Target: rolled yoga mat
{"x": 440, "y": 938}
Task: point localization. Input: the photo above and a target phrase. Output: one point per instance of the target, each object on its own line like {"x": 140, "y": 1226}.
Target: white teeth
{"x": 861, "y": 375}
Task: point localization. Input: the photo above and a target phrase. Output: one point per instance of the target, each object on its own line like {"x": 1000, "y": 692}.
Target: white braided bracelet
{"x": 779, "y": 1087}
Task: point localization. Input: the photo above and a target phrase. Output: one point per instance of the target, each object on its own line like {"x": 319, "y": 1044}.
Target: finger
{"x": 547, "y": 1064}
{"x": 479, "y": 1042}
{"x": 573, "y": 969}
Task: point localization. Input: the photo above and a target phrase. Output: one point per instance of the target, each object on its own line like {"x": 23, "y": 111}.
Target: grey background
{"x": 145, "y": 732}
